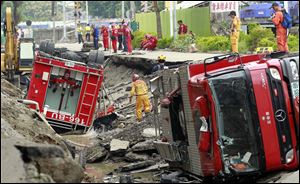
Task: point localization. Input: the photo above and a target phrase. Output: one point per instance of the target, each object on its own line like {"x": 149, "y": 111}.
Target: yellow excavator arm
{"x": 9, "y": 64}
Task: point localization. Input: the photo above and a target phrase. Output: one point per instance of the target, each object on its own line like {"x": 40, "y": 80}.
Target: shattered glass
{"x": 237, "y": 139}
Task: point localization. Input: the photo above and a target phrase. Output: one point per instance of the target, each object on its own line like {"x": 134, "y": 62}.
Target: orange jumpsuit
{"x": 140, "y": 90}
{"x": 235, "y": 34}
{"x": 281, "y": 32}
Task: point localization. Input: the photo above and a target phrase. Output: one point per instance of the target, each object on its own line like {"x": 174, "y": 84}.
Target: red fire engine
{"x": 231, "y": 116}
{"x": 65, "y": 90}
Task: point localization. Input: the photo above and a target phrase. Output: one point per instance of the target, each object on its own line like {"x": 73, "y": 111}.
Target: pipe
{"x": 30, "y": 102}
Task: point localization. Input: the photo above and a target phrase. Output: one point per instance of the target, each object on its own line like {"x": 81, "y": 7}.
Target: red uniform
{"x": 281, "y": 32}
{"x": 105, "y": 35}
{"x": 150, "y": 43}
{"x": 114, "y": 38}
{"x": 143, "y": 43}
{"x": 182, "y": 29}
{"x": 127, "y": 34}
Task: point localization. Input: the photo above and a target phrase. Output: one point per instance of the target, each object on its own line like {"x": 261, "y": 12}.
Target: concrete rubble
{"x": 117, "y": 146}
{"x": 136, "y": 165}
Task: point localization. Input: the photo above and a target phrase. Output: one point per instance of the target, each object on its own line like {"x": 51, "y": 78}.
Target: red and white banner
{"x": 224, "y": 6}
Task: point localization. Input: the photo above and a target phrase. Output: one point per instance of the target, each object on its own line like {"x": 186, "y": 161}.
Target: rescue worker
{"x": 95, "y": 37}
{"x": 105, "y": 34}
{"x": 281, "y": 32}
{"x": 235, "y": 31}
{"x": 149, "y": 43}
{"x": 160, "y": 64}
{"x": 182, "y": 30}
{"x": 80, "y": 33}
{"x": 88, "y": 33}
{"x": 140, "y": 90}
{"x": 127, "y": 36}
{"x": 120, "y": 37}
{"x": 114, "y": 36}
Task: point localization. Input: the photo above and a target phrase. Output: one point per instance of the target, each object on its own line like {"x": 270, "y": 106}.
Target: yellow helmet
{"x": 162, "y": 57}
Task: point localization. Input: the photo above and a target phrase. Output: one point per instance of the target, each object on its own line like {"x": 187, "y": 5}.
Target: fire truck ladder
{"x": 94, "y": 95}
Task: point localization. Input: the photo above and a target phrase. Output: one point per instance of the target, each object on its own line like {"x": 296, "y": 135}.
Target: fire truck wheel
{"x": 96, "y": 56}
{"x": 50, "y": 48}
{"x": 43, "y": 46}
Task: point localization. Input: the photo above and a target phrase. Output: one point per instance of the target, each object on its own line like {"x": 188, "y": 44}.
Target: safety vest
{"x": 88, "y": 29}
{"x": 79, "y": 30}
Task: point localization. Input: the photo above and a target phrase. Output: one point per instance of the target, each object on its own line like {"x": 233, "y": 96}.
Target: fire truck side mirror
{"x": 202, "y": 103}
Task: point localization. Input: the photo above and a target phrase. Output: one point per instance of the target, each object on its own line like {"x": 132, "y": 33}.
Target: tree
{"x": 158, "y": 22}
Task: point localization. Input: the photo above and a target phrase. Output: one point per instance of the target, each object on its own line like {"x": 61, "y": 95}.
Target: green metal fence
{"x": 197, "y": 20}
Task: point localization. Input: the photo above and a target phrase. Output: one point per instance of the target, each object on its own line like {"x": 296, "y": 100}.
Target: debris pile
{"x": 128, "y": 145}
{"x": 30, "y": 151}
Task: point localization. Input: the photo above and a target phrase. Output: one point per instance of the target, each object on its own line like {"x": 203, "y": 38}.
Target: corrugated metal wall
{"x": 197, "y": 20}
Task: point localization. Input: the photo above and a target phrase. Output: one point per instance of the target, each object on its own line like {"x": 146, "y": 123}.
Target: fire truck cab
{"x": 231, "y": 115}
{"x": 65, "y": 90}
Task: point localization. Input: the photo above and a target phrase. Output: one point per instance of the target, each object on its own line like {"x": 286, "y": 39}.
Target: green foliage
{"x": 213, "y": 43}
{"x": 182, "y": 43}
{"x": 252, "y": 26}
{"x": 243, "y": 47}
{"x": 164, "y": 43}
{"x": 261, "y": 37}
{"x": 267, "y": 42}
{"x": 138, "y": 37}
{"x": 293, "y": 43}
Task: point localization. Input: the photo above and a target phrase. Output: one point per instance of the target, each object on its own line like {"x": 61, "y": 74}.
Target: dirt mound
{"x": 21, "y": 128}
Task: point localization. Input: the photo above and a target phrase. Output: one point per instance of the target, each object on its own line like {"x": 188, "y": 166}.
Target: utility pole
{"x": 87, "y": 11}
{"x": 75, "y": 14}
{"x": 53, "y": 19}
{"x": 123, "y": 10}
{"x": 64, "y": 38}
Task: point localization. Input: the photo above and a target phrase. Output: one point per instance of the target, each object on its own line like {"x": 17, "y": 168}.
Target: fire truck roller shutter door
{"x": 61, "y": 72}
{"x": 55, "y": 71}
{"x": 72, "y": 74}
{"x": 79, "y": 76}
{"x": 96, "y": 56}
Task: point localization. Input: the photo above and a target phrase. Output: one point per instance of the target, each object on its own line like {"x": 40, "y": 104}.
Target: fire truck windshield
{"x": 237, "y": 139}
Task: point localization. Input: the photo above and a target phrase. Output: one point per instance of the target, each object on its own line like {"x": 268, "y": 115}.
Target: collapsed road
{"x": 122, "y": 153}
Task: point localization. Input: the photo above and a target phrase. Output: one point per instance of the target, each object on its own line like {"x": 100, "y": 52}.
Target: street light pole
{"x": 171, "y": 18}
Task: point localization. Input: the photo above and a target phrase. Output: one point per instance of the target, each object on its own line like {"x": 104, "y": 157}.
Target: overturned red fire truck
{"x": 231, "y": 115}
{"x": 65, "y": 90}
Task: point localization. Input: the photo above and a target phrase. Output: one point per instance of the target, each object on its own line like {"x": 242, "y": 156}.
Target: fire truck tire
{"x": 43, "y": 46}
{"x": 96, "y": 56}
{"x": 50, "y": 48}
